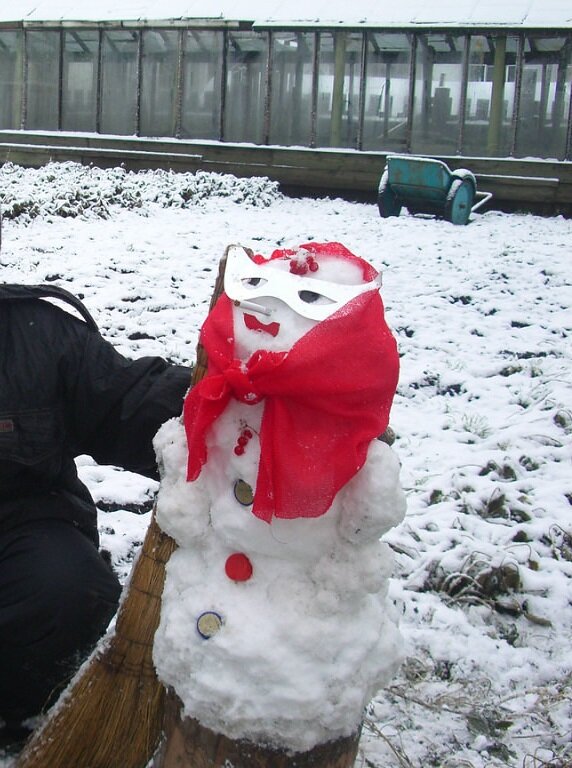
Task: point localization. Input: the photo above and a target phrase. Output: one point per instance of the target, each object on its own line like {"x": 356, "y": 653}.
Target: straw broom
{"x": 111, "y": 715}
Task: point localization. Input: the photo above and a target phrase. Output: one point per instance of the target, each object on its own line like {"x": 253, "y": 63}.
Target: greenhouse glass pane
{"x": 159, "y": 83}
{"x": 438, "y": 89}
{"x": 545, "y": 97}
{"x": 339, "y": 82}
{"x": 245, "y": 87}
{"x": 490, "y": 95}
{"x": 387, "y": 91}
{"x": 11, "y": 54}
{"x": 291, "y": 101}
{"x": 43, "y": 49}
{"x": 119, "y": 78}
{"x": 79, "y": 92}
{"x": 201, "y": 97}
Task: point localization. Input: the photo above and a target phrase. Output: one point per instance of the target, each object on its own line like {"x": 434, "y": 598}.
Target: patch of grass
{"x": 560, "y": 543}
{"x": 510, "y": 370}
{"x": 528, "y": 463}
{"x": 478, "y": 581}
{"x": 436, "y": 497}
{"x": 476, "y": 425}
{"x": 563, "y": 419}
{"x": 502, "y": 471}
{"x": 497, "y": 506}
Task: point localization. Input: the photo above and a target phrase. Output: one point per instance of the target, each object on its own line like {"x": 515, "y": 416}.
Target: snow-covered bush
{"x": 71, "y": 190}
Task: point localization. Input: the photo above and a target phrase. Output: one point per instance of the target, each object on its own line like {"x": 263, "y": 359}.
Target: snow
{"x": 529, "y": 13}
{"x": 482, "y": 415}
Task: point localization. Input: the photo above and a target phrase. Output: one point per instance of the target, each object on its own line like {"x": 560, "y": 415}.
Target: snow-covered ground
{"x": 483, "y": 417}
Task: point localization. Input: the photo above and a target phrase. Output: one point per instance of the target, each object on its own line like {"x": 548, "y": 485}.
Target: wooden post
{"x": 560, "y": 134}
{"x": 427, "y": 104}
{"x": 338, "y": 89}
{"x": 497, "y": 97}
{"x": 15, "y": 109}
{"x": 188, "y": 744}
{"x": 387, "y": 99}
{"x": 543, "y": 106}
{"x": 294, "y": 135}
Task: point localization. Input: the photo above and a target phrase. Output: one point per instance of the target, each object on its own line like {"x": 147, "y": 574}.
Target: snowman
{"x": 275, "y": 624}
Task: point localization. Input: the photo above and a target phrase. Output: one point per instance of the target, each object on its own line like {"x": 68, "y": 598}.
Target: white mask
{"x": 310, "y": 297}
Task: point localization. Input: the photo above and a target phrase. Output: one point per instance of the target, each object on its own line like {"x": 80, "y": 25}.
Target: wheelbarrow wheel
{"x": 459, "y": 202}
{"x": 387, "y": 201}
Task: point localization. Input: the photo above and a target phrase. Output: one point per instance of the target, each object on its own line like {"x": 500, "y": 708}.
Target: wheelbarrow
{"x": 424, "y": 185}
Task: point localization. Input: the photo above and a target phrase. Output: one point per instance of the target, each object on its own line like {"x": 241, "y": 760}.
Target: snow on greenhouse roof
{"x": 515, "y": 13}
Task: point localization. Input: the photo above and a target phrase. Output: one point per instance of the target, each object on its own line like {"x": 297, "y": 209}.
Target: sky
{"x": 481, "y": 314}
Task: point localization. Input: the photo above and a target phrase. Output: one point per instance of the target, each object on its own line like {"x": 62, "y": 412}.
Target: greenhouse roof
{"x": 383, "y": 13}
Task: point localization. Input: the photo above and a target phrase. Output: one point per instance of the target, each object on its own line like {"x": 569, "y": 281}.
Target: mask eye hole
{"x": 311, "y": 297}
{"x": 251, "y": 282}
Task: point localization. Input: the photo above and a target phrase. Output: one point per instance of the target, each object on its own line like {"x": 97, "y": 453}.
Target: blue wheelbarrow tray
{"x": 425, "y": 185}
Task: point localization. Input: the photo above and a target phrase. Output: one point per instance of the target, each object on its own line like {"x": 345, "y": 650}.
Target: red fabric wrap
{"x": 324, "y": 401}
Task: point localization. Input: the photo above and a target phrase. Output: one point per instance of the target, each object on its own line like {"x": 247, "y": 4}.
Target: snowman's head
{"x": 278, "y": 300}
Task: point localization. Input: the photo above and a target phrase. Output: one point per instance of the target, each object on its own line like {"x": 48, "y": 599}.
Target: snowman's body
{"x": 293, "y": 650}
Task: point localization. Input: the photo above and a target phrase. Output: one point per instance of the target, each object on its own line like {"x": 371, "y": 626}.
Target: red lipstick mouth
{"x": 254, "y": 324}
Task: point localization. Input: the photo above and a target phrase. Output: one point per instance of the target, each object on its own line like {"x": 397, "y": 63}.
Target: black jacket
{"x": 65, "y": 391}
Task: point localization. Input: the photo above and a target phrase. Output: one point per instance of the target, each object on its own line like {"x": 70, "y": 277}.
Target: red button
{"x": 238, "y": 567}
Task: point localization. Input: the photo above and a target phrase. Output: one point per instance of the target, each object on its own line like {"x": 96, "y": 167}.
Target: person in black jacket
{"x": 64, "y": 391}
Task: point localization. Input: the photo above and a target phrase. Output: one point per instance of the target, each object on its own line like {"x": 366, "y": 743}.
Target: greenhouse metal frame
{"x": 490, "y": 92}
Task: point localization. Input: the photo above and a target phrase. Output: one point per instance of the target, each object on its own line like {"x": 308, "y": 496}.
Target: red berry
{"x": 247, "y": 433}
{"x": 242, "y": 441}
{"x": 239, "y": 450}
{"x": 298, "y": 268}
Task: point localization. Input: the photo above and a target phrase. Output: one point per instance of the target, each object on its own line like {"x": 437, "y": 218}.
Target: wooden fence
{"x": 543, "y": 186}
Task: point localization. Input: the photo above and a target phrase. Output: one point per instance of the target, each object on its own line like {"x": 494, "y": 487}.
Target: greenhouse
{"x": 364, "y": 78}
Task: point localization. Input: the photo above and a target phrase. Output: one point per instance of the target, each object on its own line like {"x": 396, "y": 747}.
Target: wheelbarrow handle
{"x": 485, "y": 197}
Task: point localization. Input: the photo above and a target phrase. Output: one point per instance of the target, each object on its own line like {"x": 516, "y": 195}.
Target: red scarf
{"x": 324, "y": 401}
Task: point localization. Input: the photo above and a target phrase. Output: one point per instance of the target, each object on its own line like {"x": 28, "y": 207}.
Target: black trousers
{"x": 57, "y": 596}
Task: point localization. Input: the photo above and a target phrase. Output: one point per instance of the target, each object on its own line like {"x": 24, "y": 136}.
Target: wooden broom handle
{"x": 200, "y": 367}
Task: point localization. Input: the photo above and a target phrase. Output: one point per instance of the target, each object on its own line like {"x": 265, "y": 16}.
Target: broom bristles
{"x": 111, "y": 714}
{"x": 74, "y": 736}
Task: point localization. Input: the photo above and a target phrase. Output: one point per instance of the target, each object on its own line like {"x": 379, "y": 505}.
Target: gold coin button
{"x": 243, "y": 493}
{"x": 208, "y": 624}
